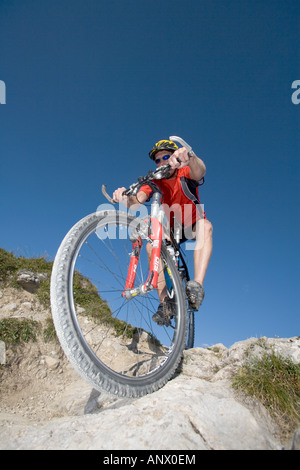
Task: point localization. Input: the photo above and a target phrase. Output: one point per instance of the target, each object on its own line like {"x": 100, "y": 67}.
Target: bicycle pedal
{"x": 161, "y": 320}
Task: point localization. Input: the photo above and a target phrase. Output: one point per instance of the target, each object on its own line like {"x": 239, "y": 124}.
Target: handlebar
{"x": 157, "y": 174}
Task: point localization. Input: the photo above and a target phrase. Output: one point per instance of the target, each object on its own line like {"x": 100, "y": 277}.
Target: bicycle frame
{"x": 155, "y": 238}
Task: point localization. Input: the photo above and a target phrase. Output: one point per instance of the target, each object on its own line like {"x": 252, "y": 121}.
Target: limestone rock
{"x": 44, "y": 404}
{"x": 196, "y": 410}
{"x": 29, "y": 280}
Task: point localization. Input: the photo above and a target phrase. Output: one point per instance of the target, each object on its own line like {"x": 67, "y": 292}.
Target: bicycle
{"x": 104, "y": 293}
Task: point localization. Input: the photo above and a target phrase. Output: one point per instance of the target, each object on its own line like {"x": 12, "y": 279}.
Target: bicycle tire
{"x": 69, "y": 327}
{"x": 190, "y": 330}
{"x": 190, "y": 340}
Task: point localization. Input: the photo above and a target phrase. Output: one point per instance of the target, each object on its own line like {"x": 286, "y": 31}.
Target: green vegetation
{"x": 15, "y": 330}
{"x": 49, "y": 333}
{"x": 10, "y": 265}
{"x": 275, "y": 381}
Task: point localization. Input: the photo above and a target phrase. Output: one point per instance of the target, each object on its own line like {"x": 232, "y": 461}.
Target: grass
{"x": 275, "y": 381}
{"x": 15, "y": 330}
{"x": 49, "y": 333}
{"x": 10, "y": 265}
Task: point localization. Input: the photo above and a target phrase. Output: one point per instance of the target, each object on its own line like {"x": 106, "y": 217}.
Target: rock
{"x": 51, "y": 362}
{"x": 2, "y": 353}
{"x": 11, "y": 307}
{"x": 29, "y": 280}
{"x": 198, "y": 409}
{"x": 201, "y": 363}
{"x": 187, "y": 414}
{"x": 27, "y": 306}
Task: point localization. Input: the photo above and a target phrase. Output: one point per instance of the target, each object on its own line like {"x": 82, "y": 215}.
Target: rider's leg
{"x": 161, "y": 283}
{"x": 203, "y": 249}
{"x": 202, "y": 254}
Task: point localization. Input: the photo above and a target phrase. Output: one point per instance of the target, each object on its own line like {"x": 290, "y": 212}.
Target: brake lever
{"x": 191, "y": 152}
{"x": 125, "y": 193}
{"x": 110, "y": 199}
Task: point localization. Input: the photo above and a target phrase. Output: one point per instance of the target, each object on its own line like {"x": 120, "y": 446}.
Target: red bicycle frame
{"x": 156, "y": 240}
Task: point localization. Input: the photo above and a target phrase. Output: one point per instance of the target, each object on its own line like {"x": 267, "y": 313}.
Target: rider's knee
{"x": 208, "y": 229}
{"x": 149, "y": 249}
{"x": 203, "y": 233}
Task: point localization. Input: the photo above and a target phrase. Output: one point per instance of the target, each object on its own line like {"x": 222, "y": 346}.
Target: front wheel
{"x": 111, "y": 341}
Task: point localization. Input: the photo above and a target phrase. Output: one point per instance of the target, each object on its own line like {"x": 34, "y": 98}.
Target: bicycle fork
{"x": 156, "y": 240}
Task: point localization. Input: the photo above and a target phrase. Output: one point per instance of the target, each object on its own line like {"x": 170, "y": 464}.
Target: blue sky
{"x": 92, "y": 85}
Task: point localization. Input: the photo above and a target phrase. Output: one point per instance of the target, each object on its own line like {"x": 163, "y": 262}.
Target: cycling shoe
{"x": 195, "y": 294}
{"x": 165, "y": 311}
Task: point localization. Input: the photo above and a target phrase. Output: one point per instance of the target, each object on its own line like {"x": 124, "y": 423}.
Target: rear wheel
{"x": 113, "y": 342}
{"x": 191, "y": 330}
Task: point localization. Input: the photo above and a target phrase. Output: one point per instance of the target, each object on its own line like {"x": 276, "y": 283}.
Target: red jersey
{"x": 180, "y": 197}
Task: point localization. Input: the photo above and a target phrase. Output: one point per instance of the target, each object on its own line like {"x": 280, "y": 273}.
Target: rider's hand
{"x": 182, "y": 155}
{"x": 118, "y": 195}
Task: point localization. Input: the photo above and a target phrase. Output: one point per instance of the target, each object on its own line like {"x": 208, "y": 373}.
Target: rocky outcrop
{"x": 187, "y": 414}
{"x": 218, "y": 363}
{"x": 196, "y": 410}
{"x": 44, "y": 404}
{"x": 30, "y": 280}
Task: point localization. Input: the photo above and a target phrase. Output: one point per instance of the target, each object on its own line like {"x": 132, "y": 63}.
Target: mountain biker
{"x": 180, "y": 193}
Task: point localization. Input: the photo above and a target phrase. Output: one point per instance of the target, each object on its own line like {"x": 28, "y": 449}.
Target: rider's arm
{"x": 196, "y": 165}
{"x": 197, "y": 168}
{"x": 129, "y": 201}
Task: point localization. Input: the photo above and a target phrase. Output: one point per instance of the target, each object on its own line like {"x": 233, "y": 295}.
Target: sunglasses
{"x": 165, "y": 157}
